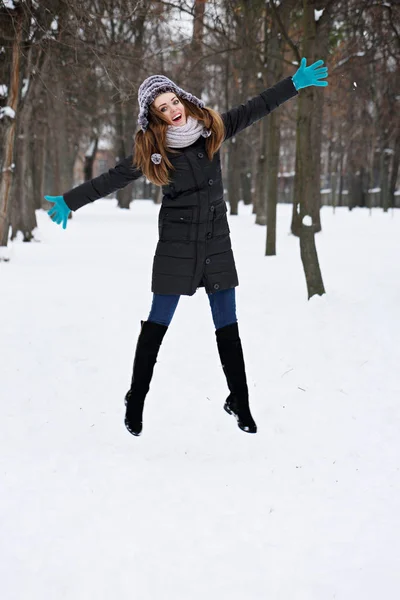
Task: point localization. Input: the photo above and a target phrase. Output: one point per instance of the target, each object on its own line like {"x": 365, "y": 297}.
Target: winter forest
{"x": 307, "y": 509}
{"x": 70, "y": 71}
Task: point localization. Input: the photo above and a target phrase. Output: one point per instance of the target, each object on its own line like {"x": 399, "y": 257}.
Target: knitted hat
{"x": 151, "y": 88}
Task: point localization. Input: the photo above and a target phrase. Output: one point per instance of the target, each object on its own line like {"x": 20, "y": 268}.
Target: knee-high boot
{"x": 148, "y": 344}
{"x": 231, "y": 355}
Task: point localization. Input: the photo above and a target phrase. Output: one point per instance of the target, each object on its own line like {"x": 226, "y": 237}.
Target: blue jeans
{"x": 223, "y": 307}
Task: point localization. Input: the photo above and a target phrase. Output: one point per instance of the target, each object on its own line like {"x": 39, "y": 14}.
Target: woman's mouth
{"x": 178, "y": 118}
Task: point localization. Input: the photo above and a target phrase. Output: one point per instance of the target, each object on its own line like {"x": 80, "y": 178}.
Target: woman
{"x": 177, "y": 147}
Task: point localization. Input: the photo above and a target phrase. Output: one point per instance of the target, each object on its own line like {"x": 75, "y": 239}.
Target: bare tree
{"x": 306, "y": 206}
{"x": 276, "y": 48}
{"x": 12, "y": 29}
{"x": 72, "y": 67}
{"x": 197, "y": 48}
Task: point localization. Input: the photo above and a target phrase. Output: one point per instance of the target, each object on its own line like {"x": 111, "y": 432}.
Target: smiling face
{"x": 170, "y": 106}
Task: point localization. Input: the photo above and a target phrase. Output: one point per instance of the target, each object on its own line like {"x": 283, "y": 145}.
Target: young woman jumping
{"x": 177, "y": 147}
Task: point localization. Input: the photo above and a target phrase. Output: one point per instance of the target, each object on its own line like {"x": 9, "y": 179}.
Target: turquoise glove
{"x": 306, "y": 76}
{"x": 60, "y": 211}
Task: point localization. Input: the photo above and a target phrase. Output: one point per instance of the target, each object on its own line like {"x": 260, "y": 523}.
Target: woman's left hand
{"x": 59, "y": 212}
{"x": 312, "y": 75}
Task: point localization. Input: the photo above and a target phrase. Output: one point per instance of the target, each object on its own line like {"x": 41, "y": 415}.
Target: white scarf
{"x": 180, "y": 137}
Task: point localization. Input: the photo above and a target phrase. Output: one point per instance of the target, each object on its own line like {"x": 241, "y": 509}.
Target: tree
{"x": 12, "y": 30}
{"x": 276, "y": 50}
{"x": 306, "y": 205}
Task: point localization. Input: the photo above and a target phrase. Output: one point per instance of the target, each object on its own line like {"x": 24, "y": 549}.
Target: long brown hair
{"x": 154, "y": 141}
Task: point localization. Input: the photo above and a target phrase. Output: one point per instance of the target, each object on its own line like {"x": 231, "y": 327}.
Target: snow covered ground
{"x": 307, "y": 509}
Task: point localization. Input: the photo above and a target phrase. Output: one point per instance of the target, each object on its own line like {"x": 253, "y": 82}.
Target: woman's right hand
{"x": 59, "y": 211}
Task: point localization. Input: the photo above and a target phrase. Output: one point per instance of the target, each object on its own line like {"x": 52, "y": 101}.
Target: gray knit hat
{"x": 151, "y": 88}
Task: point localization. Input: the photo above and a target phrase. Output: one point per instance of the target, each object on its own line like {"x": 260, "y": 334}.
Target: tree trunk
{"x": 23, "y": 216}
{"x": 255, "y": 169}
{"x": 358, "y": 185}
{"x": 385, "y": 195}
{"x": 89, "y": 160}
{"x": 62, "y": 155}
{"x": 307, "y": 186}
{"x": 233, "y": 176}
{"x": 127, "y": 120}
{"x": 245, "y": 178}
{"x": 309, "y": 258}
{"x": 395, "y": 170}
{"x": 10, "y": 129}
{"x": 316, "y": 145}
{"x": 37, "y": 156}
{"x": 124, "y": 195}
{"x": 341, "y": 165}
{"x": 275, "y": 73}
{"x": 262, "y": 173}
{"x": 272, "y": 179}
{"x": 197, "y": 85}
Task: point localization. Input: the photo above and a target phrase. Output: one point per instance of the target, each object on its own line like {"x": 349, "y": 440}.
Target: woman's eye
{"x": 175, "y": 102}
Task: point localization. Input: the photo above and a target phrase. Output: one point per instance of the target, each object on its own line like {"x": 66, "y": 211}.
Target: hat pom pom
{"x": 206, "y": 133}
{"x": 156, "y": 158}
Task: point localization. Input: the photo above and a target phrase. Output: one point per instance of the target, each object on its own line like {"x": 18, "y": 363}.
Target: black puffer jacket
{"x": 194, "y": 247}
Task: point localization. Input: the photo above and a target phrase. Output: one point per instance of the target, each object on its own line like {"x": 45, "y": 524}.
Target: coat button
{"x": 216, "y": 286}
{"x": 208, "y": 260}
{"x": 209, "y": 234}
{"x": 212, "y": 208}
{"x": 200, "y": 155}
{"x": 210, "y": 182}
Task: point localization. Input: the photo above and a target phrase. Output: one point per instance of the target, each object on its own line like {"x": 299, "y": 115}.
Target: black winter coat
{"x": 194, "y": 247}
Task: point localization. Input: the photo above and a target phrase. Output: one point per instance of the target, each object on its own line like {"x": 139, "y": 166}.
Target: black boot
{"x": 148, "y": 345}
{"x": 231, "y": 355}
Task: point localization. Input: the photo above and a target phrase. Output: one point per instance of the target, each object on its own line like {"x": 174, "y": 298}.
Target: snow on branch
{"x": 7, "y": 111}
{"x": 342, "y": 62}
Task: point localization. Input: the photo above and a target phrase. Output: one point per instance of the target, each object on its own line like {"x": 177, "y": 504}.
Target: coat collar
{"x": 199, "y": 143}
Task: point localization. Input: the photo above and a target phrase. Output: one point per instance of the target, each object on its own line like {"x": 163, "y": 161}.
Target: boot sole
{"x": 135, "y": 433}
{"x": 242, "y": 427}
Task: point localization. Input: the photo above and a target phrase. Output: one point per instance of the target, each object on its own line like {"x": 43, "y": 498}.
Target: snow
{"x": 318, "y": 14}
{"x": 25, "y": 87}
{"x": 106, "y": 140}
{"x": 391, "y": 64}
{"x": 10, "y": 168}
{"x": 104, "y": 144}
{"x": 344, "y": 60}
{"x": 307, "y": 221}
{"x": 4, "y": 253}
{"x": 195, "y": 508}
{"x": 7, "y": 111}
